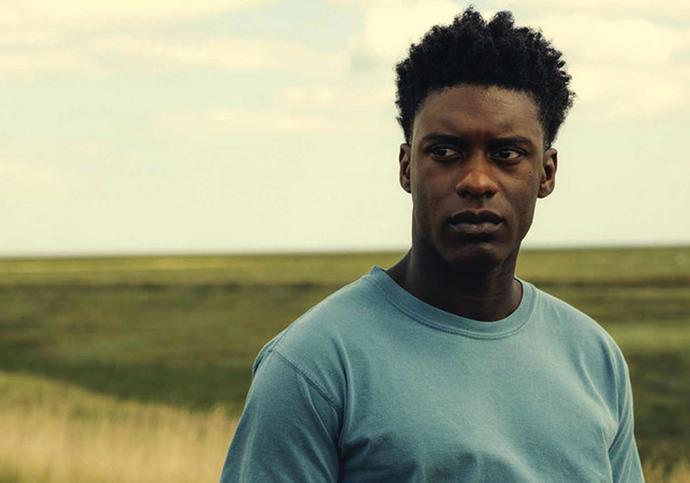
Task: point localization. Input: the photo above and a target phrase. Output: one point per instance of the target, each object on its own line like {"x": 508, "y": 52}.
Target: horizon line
{"x": 311, "y": 252}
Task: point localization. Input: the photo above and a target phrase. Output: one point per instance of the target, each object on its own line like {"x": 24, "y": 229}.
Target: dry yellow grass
{"x": 679, "y": 474}
{"x": 55, "y": 433}
{"x": 66, "y": 435}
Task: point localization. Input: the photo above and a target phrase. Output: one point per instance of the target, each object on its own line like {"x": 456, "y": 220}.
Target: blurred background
{"x": 180, "y": 180}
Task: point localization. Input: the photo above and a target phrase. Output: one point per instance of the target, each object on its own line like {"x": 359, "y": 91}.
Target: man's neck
{"x": 486, "y": 296}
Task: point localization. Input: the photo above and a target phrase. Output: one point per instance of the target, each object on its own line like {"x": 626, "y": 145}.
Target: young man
{"x": 446, "y": 367}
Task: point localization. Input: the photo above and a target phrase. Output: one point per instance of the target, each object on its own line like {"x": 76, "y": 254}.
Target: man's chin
{"x": 482, "y": 257}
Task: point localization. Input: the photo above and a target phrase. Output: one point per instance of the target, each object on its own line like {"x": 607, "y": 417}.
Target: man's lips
{"x": 476, "y": 216}
{"x": 475, "y": 222}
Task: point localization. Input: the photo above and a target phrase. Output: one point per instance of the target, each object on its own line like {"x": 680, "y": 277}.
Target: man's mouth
{"x": 475, "y": 229}
{"x": 473, "y": 223}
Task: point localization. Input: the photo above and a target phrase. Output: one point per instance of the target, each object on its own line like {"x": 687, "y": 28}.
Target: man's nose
{"x": 476, "y": 177}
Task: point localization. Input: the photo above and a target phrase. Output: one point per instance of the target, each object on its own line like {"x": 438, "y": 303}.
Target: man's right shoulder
{"x": 319, "y": 343}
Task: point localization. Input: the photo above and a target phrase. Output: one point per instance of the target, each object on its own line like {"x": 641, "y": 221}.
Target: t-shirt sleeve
{"x": 288, "y": 430}
{"x": 623, "y": 454}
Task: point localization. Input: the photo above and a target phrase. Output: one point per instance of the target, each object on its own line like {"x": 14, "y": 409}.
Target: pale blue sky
{"x": 245, "y": 125}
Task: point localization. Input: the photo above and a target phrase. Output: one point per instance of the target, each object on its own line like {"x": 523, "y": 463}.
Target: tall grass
{"x": 656, "y": 473}
{"x": 53, "y": 433}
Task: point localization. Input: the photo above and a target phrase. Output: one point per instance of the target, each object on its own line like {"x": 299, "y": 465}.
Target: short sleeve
{"x": 288, "y": 430}
{"x": 623, "y": 454}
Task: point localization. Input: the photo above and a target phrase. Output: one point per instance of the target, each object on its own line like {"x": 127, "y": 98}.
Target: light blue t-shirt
{"x": 374, "y": 385}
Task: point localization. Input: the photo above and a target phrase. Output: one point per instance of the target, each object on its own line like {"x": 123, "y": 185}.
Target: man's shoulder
{"x": 317, "y": 344}
{"x": 554, "y": 305}
{"x": 338, "y": 313}
{"x": 575, "y": 326}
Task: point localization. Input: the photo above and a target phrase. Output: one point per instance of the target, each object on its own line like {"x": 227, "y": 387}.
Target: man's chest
{"x": 475, "y": 419}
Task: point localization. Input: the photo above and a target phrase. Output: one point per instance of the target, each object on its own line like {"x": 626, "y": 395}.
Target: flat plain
{"x": 152, "y": 354}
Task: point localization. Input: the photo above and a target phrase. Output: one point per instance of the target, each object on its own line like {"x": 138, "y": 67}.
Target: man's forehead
{"x": 469, "y": 109}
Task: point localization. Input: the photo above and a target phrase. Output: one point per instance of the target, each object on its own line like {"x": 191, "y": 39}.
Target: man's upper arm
{"x": 623, "y": 454}
{"x": 288, "y": 430}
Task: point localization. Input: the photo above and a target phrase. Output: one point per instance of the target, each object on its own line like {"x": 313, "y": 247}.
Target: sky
{"x": 222, "y": 126}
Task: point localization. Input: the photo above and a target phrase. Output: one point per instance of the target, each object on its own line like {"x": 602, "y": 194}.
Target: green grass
{"x": 184, "y": 330}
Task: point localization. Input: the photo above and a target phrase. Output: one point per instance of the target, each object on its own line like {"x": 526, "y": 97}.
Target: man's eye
{"x": 507, "y": 155}
{"x": 443, "y": 152}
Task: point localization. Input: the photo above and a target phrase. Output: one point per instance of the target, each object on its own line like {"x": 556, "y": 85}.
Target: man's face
{"x": 475, "y": 168}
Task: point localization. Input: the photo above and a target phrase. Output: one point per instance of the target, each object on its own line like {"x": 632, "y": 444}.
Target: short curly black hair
{"x": 473, "y": 51}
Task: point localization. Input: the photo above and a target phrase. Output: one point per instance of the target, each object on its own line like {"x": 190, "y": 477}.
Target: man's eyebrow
{"x": 497, "y": 141}
{"x": 508, "y": 140}
{"x": 443, "y": 138}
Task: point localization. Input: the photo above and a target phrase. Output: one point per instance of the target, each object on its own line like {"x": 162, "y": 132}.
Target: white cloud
{"x": 17, "y": 176}
{"x": 610, "y": 93}
{"x": 255, "y": 121}
{"x": 42, "y": 62}
{"x": 622, "y": 67}
{"x": 232, "y": 53}
{"x": 363, "y": 3}
{"x": 391, "y": 26}
{"x": 38, "y": 36}
{"x": 333, "y": 108}
{"x": 671, "y": 9}
{"x": 100, "y": 56}
{"x": 600, "y": 39}
{"x": 341, "y": 97}
{"x": 47, "y": 11}
{"x": 25, "y": 38}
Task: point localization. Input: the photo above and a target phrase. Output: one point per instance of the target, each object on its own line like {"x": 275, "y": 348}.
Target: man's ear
{"x": 548, "y": 172}
{"x": 404, "y": 159}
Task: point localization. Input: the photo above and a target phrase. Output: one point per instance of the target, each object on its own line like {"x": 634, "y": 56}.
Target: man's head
{"x": 473, "y": 51}
{"x": 480, "y": 104}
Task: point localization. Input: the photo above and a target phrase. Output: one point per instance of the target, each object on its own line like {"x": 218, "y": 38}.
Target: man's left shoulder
{"x": 573, "y": 325}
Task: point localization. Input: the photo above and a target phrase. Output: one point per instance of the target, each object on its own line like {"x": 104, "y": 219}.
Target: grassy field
{"x": 135, "y": 352}
{"x": 59, "y": 433}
